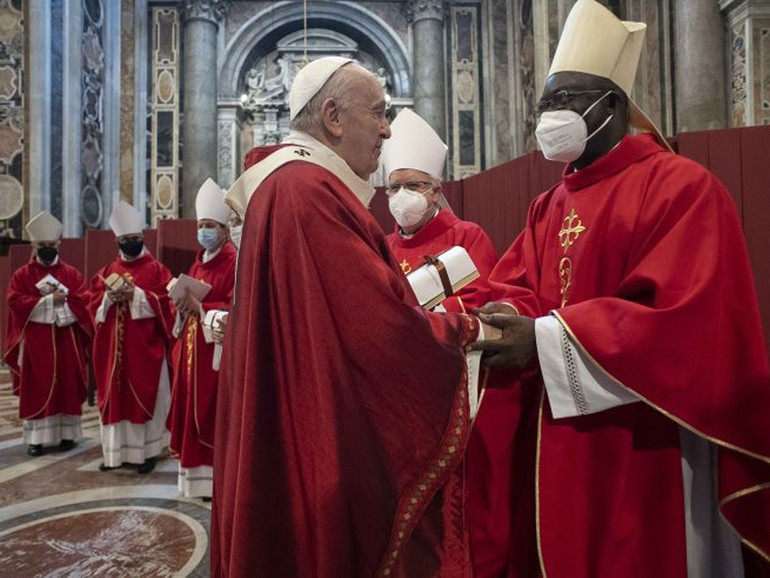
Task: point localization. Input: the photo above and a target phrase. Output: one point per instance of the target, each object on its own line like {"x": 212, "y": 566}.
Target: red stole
{"x": 443, "y": 232}
{"x": 52, "y": 377}
{"x": 642, "y": 256}
{"x": 193, "y": 395}
{"x": 342, "y": 412}
{"x": 128, "y": 354}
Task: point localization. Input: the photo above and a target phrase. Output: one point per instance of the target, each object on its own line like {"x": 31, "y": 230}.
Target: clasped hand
{"x": 187, "y": 305}
{"x": 517, "y": 345}
{"x": 123, "y": 295}
{"x": 59, "y": 298}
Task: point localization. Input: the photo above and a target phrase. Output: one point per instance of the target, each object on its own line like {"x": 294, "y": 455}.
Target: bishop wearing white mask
{"x": 414, "y": 159}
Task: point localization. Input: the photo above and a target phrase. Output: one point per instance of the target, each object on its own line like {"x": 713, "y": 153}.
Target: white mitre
{"x": 210, "y": 203}
{"x": 311, "y": 79}
{"x": 413, "y": 144}
{"x": 44, "y": 227}
{"x": 126, "y": 220}
{"x": 595, "y": 41}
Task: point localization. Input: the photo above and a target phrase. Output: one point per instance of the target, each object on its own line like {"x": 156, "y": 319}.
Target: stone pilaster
{"x": 427, "y": 19}
{"x": 700, "y": 66}
{"x": 748, "y": 41}
{"x": 229, "y": 150}
{"x": 199, "y": 131}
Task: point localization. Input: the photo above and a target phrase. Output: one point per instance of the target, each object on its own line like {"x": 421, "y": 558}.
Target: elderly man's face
{"x": 364, "y": 126}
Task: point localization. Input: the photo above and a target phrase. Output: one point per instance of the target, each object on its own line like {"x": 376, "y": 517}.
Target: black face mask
{"x": 131, "y": 247}
{"x": 47, "y": 254}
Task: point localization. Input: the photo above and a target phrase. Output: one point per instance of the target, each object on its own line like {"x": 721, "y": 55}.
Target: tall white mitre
{"x": 44, "y": 227}
{"x": 311, "y": 79}
{"x": 413, "y": 145}
{"x": 126, "y": 220}
{"x": 595, "y": 41}
{"x": 210, "y": 203}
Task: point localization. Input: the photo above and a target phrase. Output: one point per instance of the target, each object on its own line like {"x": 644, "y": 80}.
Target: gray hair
{"x": 339, "y": 87}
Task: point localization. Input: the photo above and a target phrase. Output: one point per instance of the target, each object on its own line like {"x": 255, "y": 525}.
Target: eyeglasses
{"x": 414, "y": 186}
{"x": 562, "y": 98}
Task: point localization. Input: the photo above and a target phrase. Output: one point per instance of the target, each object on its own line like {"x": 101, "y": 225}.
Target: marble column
{"x": 37, "y": 178}
{"x": 700, "y": 69}
{"x": 199, "y": 130}
{"x": 427, "y": 18}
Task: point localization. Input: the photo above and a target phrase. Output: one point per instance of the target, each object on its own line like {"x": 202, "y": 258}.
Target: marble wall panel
{"x": 12, "y": 117}
{"x": 761, "y": 65}
{"x": 127, "y": 47}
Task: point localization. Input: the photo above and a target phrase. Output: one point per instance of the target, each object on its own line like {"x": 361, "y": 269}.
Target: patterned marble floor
{"x": 60, "y": 516}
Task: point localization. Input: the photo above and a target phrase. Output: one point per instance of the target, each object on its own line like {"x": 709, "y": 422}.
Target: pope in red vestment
{"x": 343, "y": 408}
{"x": 47, "y": 347}
{"x": 193, "y": 394}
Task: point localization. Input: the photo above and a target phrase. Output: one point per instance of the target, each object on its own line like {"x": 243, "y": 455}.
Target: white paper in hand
{"x": 426, "y": 281}
{"x": 49, "y": 284}
{"x": 197, "y": 288}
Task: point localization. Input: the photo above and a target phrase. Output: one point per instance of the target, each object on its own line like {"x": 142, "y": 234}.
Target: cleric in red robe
{"x": 343, "y": 408}
{"x": 195, "y": 361}
{"x": 48, "y": 334}
{"x": 129, "y": 304}
{"x": 414, "y": 160}
{"x": 636, "y": 300}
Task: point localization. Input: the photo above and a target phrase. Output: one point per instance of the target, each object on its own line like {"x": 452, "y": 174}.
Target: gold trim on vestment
{"x": 540, "y": 555}
{"x": 681, "y": 423}
{"x": 53, "y": 378}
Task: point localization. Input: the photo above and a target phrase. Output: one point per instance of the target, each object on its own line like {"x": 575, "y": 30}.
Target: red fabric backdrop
{"x": 496, "y": 199}
{"x": 177, "y": 244}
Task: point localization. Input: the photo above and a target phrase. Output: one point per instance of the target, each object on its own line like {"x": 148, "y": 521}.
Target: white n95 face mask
{"x": 407, "y": 207}
{"x": 563, "y": 134}
{"x": 235, "y": 235}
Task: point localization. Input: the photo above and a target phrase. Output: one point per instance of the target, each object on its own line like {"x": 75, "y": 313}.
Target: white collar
{"x": 335, "y": 163}
{"x": 209, "y": 255}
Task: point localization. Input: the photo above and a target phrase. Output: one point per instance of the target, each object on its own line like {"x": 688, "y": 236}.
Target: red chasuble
{"x": 128, "y": 354}
{"x": 193, "y": 395}
{"x": 443, "y": 232}
{"x": 642, "y": 256}
{"x": 342, "y": 412}
{"x": 52, "y": 377}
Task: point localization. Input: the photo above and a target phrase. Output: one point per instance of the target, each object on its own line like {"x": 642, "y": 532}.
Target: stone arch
{"x": 264, "y": 29}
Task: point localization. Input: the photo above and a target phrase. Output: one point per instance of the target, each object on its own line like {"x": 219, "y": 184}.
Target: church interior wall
{"x": 82, "y": 105}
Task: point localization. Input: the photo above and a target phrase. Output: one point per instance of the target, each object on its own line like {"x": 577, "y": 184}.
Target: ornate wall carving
{"x": 761, "y": 88}
{"x": 164, "y": 115}
{"x": 211, "y": 10}
{"x": 738, "y": 89}
{"x": 425, "y": 9}
{"x": 92, "y": 100}
{"x": 11, "y": 117}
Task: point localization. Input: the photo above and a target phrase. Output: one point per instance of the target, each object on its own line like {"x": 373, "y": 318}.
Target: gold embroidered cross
{"x": 405, "y": 267}
{"x": 569, "y": 230}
